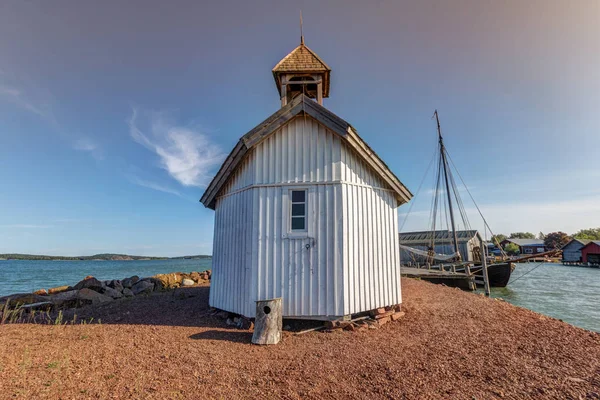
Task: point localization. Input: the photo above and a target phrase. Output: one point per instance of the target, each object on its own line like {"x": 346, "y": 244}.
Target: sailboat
{"x": 498, "y": 273}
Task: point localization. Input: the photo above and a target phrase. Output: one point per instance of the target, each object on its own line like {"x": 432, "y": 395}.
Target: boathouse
{"x": 442, "y": 242}
{"x": 590, "y": 253}
{"x": 526, "y": 246}
{"x": 571, "y": 252}
{"x": 305, "y": 210}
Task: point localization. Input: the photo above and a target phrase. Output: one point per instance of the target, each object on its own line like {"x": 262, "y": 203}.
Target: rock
{"x": 378, "y": 311}
{"x": 113, "y": 293}
{"x": 142, "y": 287}
{"x": 59, "y": 289}
{"x": 41, "y": 292}
{"x": 222, "y": 314}
{"x": 229, "y": 322}
{"x": 245, "y": 323}
{"x": 89, "y": 283}
{"x": 169, "y": 281}
{"x": 383, "y": 321}
{"x": 42, "y": 306}
{"x": 65, "y": 299}
{"x": 195, "y": 276}
{"x": 287, "y": 328}
{"x": 129, "y": 282}
{"x": 127, "y": 292}
{"x": 187, "y": 282}
{"x": 22, "y": 298}
{"x": 116, "y": 285}
{"x": 89, "y": 296}
{"x": 397, "y": 315}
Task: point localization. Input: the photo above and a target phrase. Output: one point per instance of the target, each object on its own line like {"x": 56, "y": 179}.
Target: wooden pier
{"x": 580, "y": 264}
{"x": 453, "y": 279}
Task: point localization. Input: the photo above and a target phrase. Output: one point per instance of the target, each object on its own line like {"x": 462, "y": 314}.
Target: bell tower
{"x": 302, "y": 71}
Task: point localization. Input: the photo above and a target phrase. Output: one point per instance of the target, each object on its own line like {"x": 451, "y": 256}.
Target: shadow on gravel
{"x": 186, "y": 306}
{"x": 230, "y": 336}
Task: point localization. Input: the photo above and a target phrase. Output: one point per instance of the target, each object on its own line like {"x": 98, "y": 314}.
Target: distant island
{"x": 104, "y": 257}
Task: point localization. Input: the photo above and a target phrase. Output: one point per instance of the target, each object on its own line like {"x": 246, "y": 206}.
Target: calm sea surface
{"x": 17, "y": 276}
{"x": 568, "y": 293}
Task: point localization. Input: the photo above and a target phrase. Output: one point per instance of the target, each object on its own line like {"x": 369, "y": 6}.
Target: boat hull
{"x": 498, "y": 274}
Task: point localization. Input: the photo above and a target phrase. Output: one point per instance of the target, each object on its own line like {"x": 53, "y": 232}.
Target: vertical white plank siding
{"x": 347, "y": 261}
{"x": 372, "y": 265}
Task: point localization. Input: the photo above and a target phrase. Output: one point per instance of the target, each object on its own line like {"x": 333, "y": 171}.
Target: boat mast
{"x": 445, "y": 165}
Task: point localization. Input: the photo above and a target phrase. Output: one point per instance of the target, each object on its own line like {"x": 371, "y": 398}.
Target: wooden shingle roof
{"x": 302, "y": 60}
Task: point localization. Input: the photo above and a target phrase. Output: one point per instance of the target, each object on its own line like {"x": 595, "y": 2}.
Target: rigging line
{"x": 433, "y": 197}
{"x": 461, "y": 206}
{"x": 435, "y": 203}
{"x": 476, "y": 206}
{"x": 418, "y": 190}
{"x": 526, "y": 273}
{"x": 459, "y": 201}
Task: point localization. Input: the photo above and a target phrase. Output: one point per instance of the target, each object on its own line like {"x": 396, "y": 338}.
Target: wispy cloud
{"x": 88, "y": 145}
{"x": 26, "y": 226}
{"x": 24, "y": 94}
{"x": 153, "y": 185}
{"x": 17, "y": 97}
{"x": 186, "y": 154}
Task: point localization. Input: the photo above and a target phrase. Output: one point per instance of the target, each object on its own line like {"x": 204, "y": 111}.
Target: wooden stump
{"x": 268, "y": 322}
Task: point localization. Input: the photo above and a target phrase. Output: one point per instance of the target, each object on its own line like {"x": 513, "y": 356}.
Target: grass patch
{"x": 52, "y": 365}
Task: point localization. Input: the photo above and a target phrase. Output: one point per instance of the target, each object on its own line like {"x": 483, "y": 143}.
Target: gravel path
{"x": 450, "y": 344}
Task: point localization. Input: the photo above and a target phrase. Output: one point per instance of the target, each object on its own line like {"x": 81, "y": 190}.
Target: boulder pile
{"x": 93, "y": 291}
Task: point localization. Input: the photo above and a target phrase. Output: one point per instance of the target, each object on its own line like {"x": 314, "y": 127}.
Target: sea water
{"x": 571, "y": 294}
{"x": 21, "y": 276}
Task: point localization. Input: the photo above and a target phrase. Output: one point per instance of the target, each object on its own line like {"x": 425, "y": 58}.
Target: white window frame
{"x": 286, "y": 212}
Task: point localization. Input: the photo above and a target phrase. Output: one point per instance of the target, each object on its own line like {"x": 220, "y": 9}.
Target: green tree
{"x": 556, "y": 240}
{"x": 541, "y": 236}
{"x": 588, "y": 234}
{"x": 497, "y": 239}
{"x": 522, "y": 235}
{"x": 511, "y": 249}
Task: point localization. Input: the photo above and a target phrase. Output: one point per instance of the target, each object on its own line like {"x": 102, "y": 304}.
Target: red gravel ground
{"x": 450, "y": 344}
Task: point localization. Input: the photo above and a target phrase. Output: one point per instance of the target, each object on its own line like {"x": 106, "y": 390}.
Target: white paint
{"x": 346, "y": 262}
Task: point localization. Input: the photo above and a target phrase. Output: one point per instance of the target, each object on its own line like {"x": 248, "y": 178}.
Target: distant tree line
{"x": 66, "y": 258}
{"x": 553, "y": 240}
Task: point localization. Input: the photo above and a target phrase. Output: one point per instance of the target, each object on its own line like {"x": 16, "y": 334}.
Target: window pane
{"x": 298, "y": 210}
{"x": 298, "y": 196}
{"x": 298, "y": 223}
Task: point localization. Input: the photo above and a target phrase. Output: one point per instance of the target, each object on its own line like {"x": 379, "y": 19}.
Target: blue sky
{"x": 114, "y": 116}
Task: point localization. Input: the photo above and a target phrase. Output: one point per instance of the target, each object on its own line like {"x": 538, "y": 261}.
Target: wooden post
{"x": 283, "y": 90}
{"x": 320, "y": 93}
{"x": 486, "y": 281}
{"x": 268, "y": 322}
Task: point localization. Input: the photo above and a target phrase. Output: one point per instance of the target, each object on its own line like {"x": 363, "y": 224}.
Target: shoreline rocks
{"x": 93, "y": 291}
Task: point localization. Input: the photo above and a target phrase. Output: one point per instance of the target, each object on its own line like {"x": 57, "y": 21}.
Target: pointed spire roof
{"x": 302, "y": 60}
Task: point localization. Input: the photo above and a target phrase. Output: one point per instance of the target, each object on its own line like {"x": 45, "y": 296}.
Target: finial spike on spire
{"x": 301, "y": 32}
